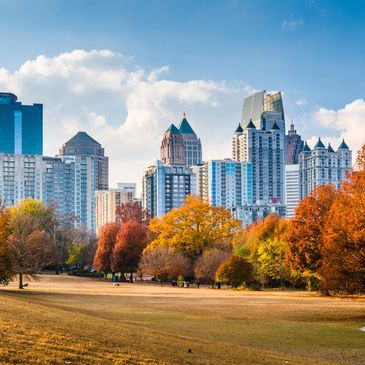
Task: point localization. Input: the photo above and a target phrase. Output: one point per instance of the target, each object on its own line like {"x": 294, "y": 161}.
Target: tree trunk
{"x": 309, "y": 283}
{"x": 131, "y": 277}
{"x": 282, "y": 283}
{"x": 262, "y": 286}
{"x": 20, "y": 280}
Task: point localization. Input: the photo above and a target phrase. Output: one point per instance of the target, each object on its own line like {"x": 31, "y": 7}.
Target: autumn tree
{"x": 207, "y": 264}
{"x": 191, "y": 228}
{"x": 106, "y": 243}
{"x": 131, "y": 240}
{"x": 234, "y": 271}
{"x": 263, "y": 244}
{"x": 6, "y": 267}
{"x": 30, "y": 245}
{"x": 132, "y": 211}
{"x": 306, "y": 232}
{"x": 343, "y": 253}
{"x": 163, "y": 263}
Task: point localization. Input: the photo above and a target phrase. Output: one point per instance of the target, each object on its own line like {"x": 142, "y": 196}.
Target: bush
{"x": 234, "y": 271}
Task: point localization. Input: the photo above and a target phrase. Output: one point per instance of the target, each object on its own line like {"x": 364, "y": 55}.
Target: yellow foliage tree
{"x": 192, "y": 227}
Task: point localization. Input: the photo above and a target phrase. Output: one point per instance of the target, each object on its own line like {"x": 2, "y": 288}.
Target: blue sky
{"x": 313, "y": 51}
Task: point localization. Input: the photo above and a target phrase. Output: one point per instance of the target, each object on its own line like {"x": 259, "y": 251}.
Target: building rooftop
{"x": 239, "y": 129}
{"x": 82, "y": 138}
{"x": 251, "y": 125}
{"x": 319, "y": 144}
{"x": 343, "y": 146}
{"x": 306, "y": 148}
{"x": 185, "y": 127}
{"x": 172, "y": 129}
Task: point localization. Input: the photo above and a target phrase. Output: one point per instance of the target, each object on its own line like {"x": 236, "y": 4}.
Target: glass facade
{"x": 21, "y": 126}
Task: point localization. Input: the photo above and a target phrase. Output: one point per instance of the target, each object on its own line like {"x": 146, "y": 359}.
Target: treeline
{"x": 32, "y": 238}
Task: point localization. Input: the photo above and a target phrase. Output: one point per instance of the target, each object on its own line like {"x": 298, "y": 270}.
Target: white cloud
{"x": 292, "y": 23}
{"x": 348, "y": 122}
{"x": 302, "y": 102}
{"x": 125, "y": 107}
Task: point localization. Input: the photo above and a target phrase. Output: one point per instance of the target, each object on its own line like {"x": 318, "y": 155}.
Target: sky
{"x": 123, "y": 70}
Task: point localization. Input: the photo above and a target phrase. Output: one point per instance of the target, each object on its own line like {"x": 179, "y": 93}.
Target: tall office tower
{"x": 88, "y": 168}
{"x": 21, "y": 126}
{"x": 166, "y": 187}
{"x": 260, "y": 139}
{"x": 292, "y": 189}
{"x": 293, "y": 146}
{"x": 322, "y": 165}
{"x": 172, "y": 147}
{"x": 264, "y": 110}
{"x": 107, "y": 202}
{"x": 192, "y": 144}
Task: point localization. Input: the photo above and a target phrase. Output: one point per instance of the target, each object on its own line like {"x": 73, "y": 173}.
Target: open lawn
{"x": 68, "y": 320}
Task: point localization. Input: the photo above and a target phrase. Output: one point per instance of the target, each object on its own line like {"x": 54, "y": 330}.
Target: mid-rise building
{"x": 322, "y": 166}
{"x": 166, "y": 187}
{"x": 21, "y": 126}
{"x": 108, "y": 201}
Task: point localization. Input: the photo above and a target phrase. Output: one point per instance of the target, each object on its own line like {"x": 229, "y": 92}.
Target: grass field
{"x": 68, "y": 320}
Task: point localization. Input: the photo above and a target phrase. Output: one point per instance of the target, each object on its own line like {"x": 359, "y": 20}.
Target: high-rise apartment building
{"x": 88, "y": 172}
{"x": 192, "y": 144}
{"x": 166, "y": 187}
{"x": 322, "y": 166}
{"x": 107, "y": 202}
{"x": 21, "y": 126}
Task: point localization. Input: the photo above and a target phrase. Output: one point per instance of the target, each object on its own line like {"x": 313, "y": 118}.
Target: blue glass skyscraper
{"x": 21, "y": 126}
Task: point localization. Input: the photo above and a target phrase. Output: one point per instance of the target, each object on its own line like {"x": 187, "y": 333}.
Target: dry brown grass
{"x": 67, "y": 320}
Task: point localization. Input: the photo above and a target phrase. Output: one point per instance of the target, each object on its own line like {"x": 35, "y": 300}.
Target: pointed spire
{"x": 329, "y": 148}
{"x": 306, "y": 148}
{"x": 250, "y": 125}
{"x": 275, "y": 127}
{"x": 185, "y": 127}
{"x": 173, "y": 129}
{"x": 319, "y": 144}
{"x": 343, "y": 145}
{"x": 239, "y": 129}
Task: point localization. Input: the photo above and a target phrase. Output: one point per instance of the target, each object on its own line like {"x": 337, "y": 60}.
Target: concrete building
{"x": 21, "y": 126}
{"x": 88, "y": 172}
{"x": 166, "y": 187}
{"x": 293, "y": 146}
{"x": 322, "y": 166}
{"x": 107, "y": 202}
{"x": 292, "y": 189}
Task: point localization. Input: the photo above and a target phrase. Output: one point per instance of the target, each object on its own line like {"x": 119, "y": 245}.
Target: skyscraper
{"x": 192, "y": 144}
{"x": 293, "y": 146}
{"x": 172, "y": 150}
{"x": 88, "y": 170}
{"x": 21, "y": 126}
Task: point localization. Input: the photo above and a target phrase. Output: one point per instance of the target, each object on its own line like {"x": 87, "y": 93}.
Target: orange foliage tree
{"x": 306, "y": 232}
{"x": 343, "y": 267}
{"x": 131, "y": 240}
{"x": 106, "y": 243}
{"x": 234, "y": 271}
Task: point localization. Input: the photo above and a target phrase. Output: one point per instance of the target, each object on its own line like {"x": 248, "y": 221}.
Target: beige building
{"x": 107, "y": 202}
{"x": 172, "y": 147}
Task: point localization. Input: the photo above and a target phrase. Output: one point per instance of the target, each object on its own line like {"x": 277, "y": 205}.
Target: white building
{"x": 108, "y": 201}
{"x": 292, "y": 189}
{"x": 322, "y": 166}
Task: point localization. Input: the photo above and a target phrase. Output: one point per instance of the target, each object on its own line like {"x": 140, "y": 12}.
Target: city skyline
{"x": 124, "y": 90}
